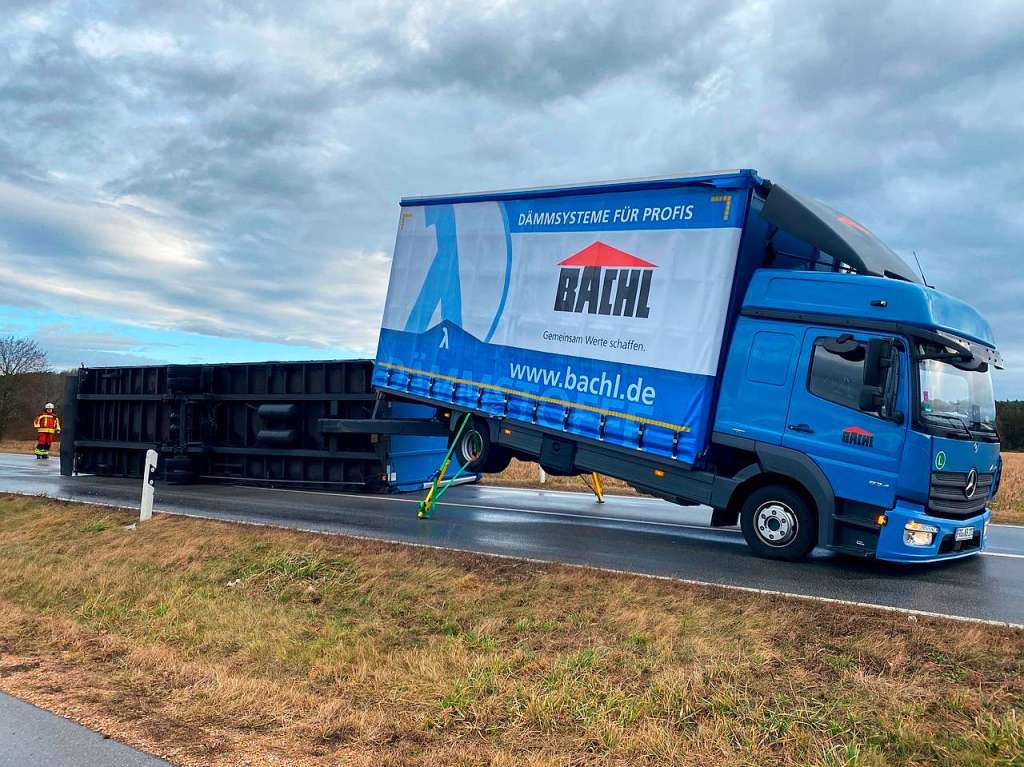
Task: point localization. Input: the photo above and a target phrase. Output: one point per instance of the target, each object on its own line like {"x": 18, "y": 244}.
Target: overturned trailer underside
{"x": 274, "y": 423}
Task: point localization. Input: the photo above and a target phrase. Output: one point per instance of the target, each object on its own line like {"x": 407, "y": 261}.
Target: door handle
{"x": 800, "y": 427}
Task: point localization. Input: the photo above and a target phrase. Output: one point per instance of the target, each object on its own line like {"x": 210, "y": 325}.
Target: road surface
{"x": 30, "y": 736}
{"x": 634, "y": 534}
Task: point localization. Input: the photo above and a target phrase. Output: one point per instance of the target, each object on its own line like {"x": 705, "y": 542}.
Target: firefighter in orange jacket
{"x": 46, "y": 424}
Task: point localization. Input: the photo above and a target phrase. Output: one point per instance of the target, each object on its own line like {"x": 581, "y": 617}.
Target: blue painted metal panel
{"x": 864, "y": 467}
{"x": 962, "y": 455}
{"x": 915, "y": 468}
{"x": 759, "y": 374}
{"x": 851, "y": 296}
{"x": 412, "y": 461}
{"x": 890, "y": 539}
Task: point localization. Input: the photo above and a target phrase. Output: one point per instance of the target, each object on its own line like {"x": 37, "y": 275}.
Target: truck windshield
{"x": 959, "y": 399}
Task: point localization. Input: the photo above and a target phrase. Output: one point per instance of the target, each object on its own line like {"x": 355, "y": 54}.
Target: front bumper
{"x": 891, "y": 547}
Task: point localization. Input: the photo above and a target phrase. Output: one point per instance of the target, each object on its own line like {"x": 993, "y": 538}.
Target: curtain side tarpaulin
{"x": 598, "y": 314}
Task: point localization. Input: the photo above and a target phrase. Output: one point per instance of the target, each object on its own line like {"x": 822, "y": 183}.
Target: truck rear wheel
{"x": 779, "y": 523}
{"x": 475, "y": 451}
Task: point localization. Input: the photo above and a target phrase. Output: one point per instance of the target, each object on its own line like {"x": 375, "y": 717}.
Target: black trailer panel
{"x": 265, "y": 422}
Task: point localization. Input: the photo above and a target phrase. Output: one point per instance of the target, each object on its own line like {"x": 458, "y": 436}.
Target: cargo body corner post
{"x": 69, "y": 432}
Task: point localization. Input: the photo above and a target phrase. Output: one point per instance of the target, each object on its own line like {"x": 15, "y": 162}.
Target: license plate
{"x": 964, "y": 533}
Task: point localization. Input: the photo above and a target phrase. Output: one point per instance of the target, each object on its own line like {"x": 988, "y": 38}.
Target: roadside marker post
{"x": 148, "y": 486}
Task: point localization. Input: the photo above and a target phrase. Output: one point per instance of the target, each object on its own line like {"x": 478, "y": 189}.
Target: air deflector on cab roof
{"x": 834, "y": 233}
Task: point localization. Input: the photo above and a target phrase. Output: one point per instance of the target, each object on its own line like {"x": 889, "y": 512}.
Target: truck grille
{"x": 946, "y": 497}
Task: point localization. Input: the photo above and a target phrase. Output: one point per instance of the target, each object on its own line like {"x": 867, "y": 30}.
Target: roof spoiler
{"x": 834, "y": 233}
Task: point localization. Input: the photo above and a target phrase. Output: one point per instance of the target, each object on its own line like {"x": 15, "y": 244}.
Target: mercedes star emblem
{"x": 972, "y": 483}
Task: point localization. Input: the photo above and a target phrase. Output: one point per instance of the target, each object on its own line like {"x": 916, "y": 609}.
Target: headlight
{"x": 919, "y": 534}
{"x": 985, "y": 533}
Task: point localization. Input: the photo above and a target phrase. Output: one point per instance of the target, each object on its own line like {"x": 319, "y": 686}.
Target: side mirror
{"x": 877, "y": 359}
{"x": 878, "y": 392}
{"x": 871, "y": 399}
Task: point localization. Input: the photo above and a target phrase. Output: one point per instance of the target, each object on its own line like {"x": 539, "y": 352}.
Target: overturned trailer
{"x": 310, "y": 425}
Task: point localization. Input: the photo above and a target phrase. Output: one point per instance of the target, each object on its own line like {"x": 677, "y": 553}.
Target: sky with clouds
{"x": 219, "y": 180}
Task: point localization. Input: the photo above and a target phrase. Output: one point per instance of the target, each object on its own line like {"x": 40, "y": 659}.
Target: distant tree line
{"x": 26, "y": 384}
{"x": 1010, "y": 422}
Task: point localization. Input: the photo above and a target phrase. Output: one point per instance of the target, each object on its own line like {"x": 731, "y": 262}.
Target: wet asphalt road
{"x": 30, "y": 736}
{"x": 633, "y": 534}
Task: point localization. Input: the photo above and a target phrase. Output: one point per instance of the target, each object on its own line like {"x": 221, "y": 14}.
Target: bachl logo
{"x": 854, "y": 435}
{"x": 601, "y": 279}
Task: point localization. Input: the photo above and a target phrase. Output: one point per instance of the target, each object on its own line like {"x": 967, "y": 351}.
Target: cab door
{"x": 857, "y": 449}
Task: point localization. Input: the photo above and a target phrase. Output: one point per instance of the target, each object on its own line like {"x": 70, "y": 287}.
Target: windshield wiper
{"x": 985, "y": 428}
{"x": 950, "y": 417}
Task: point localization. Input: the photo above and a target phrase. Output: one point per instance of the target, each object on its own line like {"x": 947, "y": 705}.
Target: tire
{"x": 779, "y": 523}
{"x": 473, "y": 447}
{"x": 498, "y": 460}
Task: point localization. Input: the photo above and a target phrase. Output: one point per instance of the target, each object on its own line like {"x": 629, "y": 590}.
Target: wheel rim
{"x": 775, "y": 523}
{"x": 472, "y": 446}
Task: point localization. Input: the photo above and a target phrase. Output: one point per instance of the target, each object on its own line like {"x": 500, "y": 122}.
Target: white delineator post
{"x": 543, "y": 474}
{"x": 148, "y": 487}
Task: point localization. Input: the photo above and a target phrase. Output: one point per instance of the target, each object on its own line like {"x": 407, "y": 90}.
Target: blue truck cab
{"x": 882, "y": 387}
{"x": 754, "y": 351}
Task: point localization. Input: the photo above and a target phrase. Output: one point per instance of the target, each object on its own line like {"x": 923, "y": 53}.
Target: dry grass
{"x": 527, "y": 474}
{"x": 217, "y": 645}
{"x": 24, "y": 446}
{"x": 1009, "y": 504}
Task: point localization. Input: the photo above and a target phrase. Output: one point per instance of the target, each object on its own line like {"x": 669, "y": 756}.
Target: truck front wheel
{"x": 472, "y": 446}
{"x": 779, "y": 523}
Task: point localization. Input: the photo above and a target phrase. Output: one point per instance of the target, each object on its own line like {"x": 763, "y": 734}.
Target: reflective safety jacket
{"x": 45, "y": 423}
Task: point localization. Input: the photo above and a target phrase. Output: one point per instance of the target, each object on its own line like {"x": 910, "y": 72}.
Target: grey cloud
{"x": 541, "y": 52}
{"x": 275, "y": 140}
{"x": 67, "y": 358}
{"x": 67, "y": 348}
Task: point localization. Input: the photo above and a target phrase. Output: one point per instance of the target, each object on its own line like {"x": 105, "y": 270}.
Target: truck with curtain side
{"x": 712, "y": 339}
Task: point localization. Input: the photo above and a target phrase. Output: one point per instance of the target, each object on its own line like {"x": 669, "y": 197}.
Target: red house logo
{"x": 601, "y": 279}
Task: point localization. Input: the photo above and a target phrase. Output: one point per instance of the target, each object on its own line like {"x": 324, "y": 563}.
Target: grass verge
{"x": 1008, "y": 506}
{"x": 24, "y": 446}
{"x": 216, "y": 644}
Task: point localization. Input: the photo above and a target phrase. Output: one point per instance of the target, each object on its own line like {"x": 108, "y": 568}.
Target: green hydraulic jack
{"x": 440, "y": 486}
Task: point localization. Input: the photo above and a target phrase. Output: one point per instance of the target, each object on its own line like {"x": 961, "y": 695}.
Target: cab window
{"x": 837, "y": 376}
